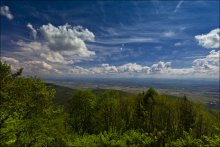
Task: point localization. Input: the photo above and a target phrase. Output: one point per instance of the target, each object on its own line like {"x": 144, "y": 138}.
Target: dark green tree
{"x": 187, "y": 115}
{"x": 139, "y": 113}
{"x": 149, "y": 103}
{"x": 27, "y": 112}
{"x": 5, "y": 71}
{"x": 107, "y": 111}
{"x": 81, "y": 111}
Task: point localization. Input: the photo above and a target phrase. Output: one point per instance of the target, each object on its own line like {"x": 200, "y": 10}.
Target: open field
{"x": 205, "y": 91}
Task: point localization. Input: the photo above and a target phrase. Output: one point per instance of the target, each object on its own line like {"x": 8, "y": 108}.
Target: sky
{"x": 149, "y": 38}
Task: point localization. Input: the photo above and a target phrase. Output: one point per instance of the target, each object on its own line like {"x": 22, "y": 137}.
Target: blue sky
{"x": 106, "y": 38}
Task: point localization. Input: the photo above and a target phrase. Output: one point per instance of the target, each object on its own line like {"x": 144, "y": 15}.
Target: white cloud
{"x": 40, "y": 68}
{"x": 201, "y": 64}
{"x": 209, "y": 63}
{"x": 63, "y": 44}
{"x": 160, "y": 67}
{"x": 210, "y": 40}
{"x": 53, "y": 52}
{"x": 181, "y": 72}
{"x": 40, "y": 64}
{"x": 5, "y": 11}
{"x": 178, "y": 44}
{"x": 178, "y": 6}
{"x": 169, "y": 34}
{"x": 10, "y": 60}
{"x": 33, "y": 30}
{"x": 13, "y": 62}
{"x": 129, "y": 68}
{"x": 55, "y": 57}
{"x": 126, "y": 68}
{"x": 203, "y": 67}
{"x": 67, "y": 38}
{"x": 41, "y": 52}
{"x": 31, "y": 46}
{"x": 132, "y": 67}
{"x": 127, "y": 40}
{"x": 33, "y": 67}
{"x": 57, "y": 48}
{"x": 182, "y": 43}
{"x": 77, "y": 70}
{"x": 108, "y": 68}
{"x": 213, "y": 57}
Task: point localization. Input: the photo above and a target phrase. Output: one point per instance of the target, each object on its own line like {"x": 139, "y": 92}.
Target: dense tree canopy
{"x": 28, "y": 117}
{"x": 26, "y": 111}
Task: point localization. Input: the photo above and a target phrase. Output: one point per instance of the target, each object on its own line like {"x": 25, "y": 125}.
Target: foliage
{"x": 82, "y": 105}
{"x": 136, "y": 138}
{"x": 29, "y": 117}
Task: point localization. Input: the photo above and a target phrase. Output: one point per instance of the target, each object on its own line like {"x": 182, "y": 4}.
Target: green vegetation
{"x": 29, "y": 117}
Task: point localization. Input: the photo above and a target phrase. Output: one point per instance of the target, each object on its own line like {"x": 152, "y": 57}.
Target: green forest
{"x": 31, "y": 116}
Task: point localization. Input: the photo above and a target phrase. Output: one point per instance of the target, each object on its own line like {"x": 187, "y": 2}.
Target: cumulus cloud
{"x": 5, "y": 11}
{"x": 33, "y": 67}
{"x": 200, "y": 64}
{"x": 67, "y": 38}
{"x": 31, "y": 46}
{"x": 132, "y": 67}
{"x": 41, "y": 51}
{"x": 126, "y": 68}
{"x": 37, "y": 67}
{"x": 55, "y": 50}
{"x": 9, "y": 60}
{"x": 78, "y": 70}
{"x": 41, "y": 64}
{"x": 13, "y": 62}
{"x": 109, "y": 69}
{"x": 129, "y": 68}
{"x": 210, "y": 40}
{"x": 62, "y": 44}
{"x": 160, "y": 67}
{"x": 201, "y": 67}
{"x": 213, "y": 57}
{"x": 33, "y": 30}
{"x": 55, "y": 57}
{"x": 209, "y": 63}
